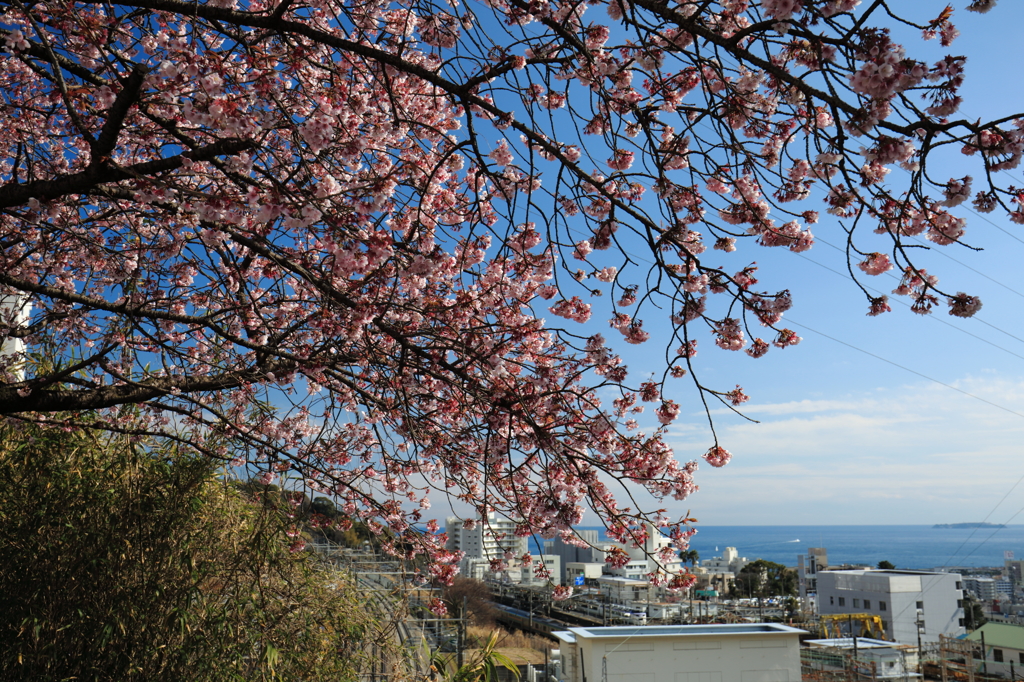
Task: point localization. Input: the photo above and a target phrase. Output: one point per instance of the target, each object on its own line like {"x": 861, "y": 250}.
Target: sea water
{"x": 922, "y": 547}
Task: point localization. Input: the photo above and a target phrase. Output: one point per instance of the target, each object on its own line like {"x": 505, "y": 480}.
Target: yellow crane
{"x": 870, "y": 625}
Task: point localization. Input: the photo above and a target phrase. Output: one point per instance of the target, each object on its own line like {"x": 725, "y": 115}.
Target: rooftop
{"x": 1001, "y": 635}
{"x": 847, "y": 643}
{"x": 877, "y": 571}
{"x": 572, "y": 634}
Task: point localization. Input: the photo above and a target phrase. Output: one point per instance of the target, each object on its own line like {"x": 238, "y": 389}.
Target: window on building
{"x": 959, "y": 603}
{"x": 1021, "y": 656}
{"x": 842, "y": 601}
{"x": 962, "y": 624}
{"x": 832, "y": 600}
{"x": 920, "y": 605}
{"x": 997, "y": 655}
{"x": 867, "y": 603}
{"x": 856, "y": 603}
{"x": 959, "y": 585}
{"x": 881, "y": 606}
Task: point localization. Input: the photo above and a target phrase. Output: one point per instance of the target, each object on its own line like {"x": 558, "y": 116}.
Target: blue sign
{"x": 579, "y": 580}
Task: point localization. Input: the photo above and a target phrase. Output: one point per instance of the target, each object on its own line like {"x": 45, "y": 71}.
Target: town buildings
{"x": 717, "y": 573}
{"x": 570, "y": 553}
{"x": 982, "y": 588}
{"x": 729, "y": 563}
{"x": 644, "y": 560}
{"x": 911, "y": 604}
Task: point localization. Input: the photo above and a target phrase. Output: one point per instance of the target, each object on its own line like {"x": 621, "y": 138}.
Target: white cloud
{"x": 914, "y": 454}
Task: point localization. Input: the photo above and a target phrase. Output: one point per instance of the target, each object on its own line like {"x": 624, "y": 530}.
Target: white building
{"x": 626, "y": 591}
{"x": 875, "y": 659}
{"x": 14, "y": 312}
{"x": 528, "y": 574}
{"x": 757, "y": 652}
{"x": 730, "y": 562}
{"x": 807, "y": 569}
{"x": 483, "y": 540}
{"x": 906, "y": 601}
{"x": 579, "y": 573}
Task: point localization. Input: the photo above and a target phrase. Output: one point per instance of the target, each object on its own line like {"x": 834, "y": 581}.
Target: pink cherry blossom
{"x": 621, "y": 160}
{"x": 879, "y": 305}
{"x": 438, "y": 607}
{"x": 963, "y": 305}
{"x": 354, "y": 244}
{"x": 561, "y": 592}
{"x": 668, "y": 412}
{"x": 875, "y": 264}
{"x": 737, "y": 396}
{"x": 717, "y": 456}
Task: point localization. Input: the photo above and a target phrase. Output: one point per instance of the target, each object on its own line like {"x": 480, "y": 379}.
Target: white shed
{"x": 755, "y": 652}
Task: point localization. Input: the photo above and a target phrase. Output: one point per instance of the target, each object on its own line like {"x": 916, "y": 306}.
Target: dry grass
{"x": 510, "y": 641}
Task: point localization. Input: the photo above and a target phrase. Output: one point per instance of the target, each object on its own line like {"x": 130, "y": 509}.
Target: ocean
{"x": 921, "y": 547}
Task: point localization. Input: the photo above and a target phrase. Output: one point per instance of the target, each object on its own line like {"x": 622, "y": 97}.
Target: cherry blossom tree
{"x": 363, "y": 242}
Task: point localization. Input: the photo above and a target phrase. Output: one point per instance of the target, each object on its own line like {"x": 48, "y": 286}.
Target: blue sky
{"x": 847, "y": 438}
{"x": 899, "y": 419}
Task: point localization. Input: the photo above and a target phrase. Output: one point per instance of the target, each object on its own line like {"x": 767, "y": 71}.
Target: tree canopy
{"x": 765, "y": 579}
{"x": 362, "y": 242}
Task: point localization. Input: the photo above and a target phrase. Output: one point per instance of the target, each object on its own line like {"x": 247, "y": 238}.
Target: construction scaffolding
{"x": 961, "y": 660}
{"x": 825, "y": 664}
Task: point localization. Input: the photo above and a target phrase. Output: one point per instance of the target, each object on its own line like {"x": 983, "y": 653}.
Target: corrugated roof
{"x": 1000, "y": 635}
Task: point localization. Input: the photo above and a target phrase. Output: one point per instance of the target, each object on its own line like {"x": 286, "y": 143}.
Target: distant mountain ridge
{"x": 980, "y": 524}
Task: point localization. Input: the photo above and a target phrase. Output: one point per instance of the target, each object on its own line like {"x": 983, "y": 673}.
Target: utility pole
{"x": 461, "y": 642}
{"x": 849, "y": 622}
{"x": 984, "y": 655}
{"x": 920, "y": 627}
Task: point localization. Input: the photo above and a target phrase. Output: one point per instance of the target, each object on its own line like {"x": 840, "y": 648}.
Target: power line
{"x": 936, "y": 319}
{"x": 907, "y": 369}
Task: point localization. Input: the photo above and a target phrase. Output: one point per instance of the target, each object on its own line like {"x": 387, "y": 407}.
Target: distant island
{"x": 969, "y": 525}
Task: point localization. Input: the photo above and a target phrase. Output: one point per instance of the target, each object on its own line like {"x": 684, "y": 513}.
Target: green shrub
{"x": 133, "y": 562}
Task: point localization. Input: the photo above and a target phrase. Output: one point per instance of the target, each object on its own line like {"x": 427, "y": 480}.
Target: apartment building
{"x": 482, "y": 540}
{"x": 909, "y": 603}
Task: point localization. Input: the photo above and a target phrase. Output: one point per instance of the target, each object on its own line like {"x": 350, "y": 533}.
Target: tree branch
{"x": 128, "y": 96}
{"x": 68, "y": 399}
{"x": 14, "y": 194}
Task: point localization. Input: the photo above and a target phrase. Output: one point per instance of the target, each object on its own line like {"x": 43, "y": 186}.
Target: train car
{"x": 522, "y": 620}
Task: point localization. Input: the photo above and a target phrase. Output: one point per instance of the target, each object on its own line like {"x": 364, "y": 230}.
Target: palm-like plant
{"x": 482, "y": 667}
